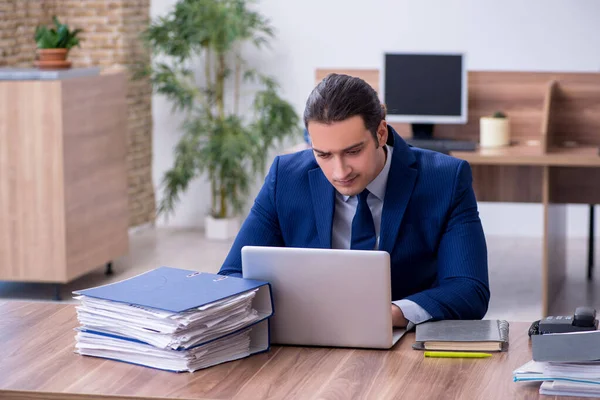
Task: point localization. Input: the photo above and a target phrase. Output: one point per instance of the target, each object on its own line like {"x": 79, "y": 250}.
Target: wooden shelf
{"x": 580, "y": 156}
{"x": 519, "y": 154}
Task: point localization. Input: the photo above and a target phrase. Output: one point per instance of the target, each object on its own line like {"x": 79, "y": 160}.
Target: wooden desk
{"x": 557, "y": 111}
{"x": 525, "y": 155}
{"x": 38, "y": 363}
{"x": 553, "y": 185}
{"x": 561, "y": 183}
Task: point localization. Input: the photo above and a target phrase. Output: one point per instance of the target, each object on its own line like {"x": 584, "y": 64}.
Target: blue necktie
{"x": 363, "y": 227}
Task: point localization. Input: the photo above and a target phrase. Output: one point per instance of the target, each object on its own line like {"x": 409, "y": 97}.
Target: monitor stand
{"x": 422, "y": 131}
{"x": 422, "y": 137}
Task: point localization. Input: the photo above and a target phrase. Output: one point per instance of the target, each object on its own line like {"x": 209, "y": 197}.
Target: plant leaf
{"x": 58, "y": 37}
{"x": 196, "y": 63}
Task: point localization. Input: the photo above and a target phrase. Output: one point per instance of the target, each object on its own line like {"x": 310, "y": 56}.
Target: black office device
{"x": 584, "y": 319}
{"x": 424, "y": 89}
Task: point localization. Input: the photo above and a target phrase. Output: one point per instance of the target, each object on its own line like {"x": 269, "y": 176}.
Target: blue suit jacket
{"x": 430, "y": 226}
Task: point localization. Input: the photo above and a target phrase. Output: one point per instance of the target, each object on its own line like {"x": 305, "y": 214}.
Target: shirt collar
{"x": 378, "y": 185}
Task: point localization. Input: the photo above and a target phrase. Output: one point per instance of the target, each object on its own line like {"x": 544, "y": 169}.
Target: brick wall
{"x": 110, "y": 38}
{"x": 18, "y": 19}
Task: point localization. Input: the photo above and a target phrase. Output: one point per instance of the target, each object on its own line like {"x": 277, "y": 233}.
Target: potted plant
{"x": 53, "y": 45}
{"x": 494, "y": 130}
{"x": 220, "y": 137}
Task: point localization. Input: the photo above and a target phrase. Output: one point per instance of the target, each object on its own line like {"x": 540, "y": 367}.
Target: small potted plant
{"x": 494, "y": 130}
{"x": 53, "y": 45}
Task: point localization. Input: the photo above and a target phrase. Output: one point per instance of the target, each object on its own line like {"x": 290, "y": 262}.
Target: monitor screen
{"x": 425, "y": 88}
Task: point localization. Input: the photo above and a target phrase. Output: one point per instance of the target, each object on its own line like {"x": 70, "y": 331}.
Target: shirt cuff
{"x": 414, "y": 313}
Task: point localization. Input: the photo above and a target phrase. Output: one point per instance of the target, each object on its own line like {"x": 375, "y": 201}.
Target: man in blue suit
{"x": 362, "y": 187}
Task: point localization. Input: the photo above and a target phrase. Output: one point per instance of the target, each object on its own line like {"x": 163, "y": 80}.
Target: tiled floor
{"x": 514, "y": 270}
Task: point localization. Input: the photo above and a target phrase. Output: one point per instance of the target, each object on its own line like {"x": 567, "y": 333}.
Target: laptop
{"x": 326, "y": 297}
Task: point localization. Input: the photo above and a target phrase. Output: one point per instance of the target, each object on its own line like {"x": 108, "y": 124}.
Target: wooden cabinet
{"x": 63, "y": 176}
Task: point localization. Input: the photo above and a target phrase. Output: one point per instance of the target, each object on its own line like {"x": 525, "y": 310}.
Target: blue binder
{"x": 260, "y": 340}
{"x": 178, "y": 290}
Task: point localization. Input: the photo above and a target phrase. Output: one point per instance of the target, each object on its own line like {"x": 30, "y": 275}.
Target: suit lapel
{"x": 400, "y": 184}
{"x": 323, "y": 198}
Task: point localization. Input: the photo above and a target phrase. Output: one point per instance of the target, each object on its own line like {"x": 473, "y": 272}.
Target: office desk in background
{"x": 38, "y": 362}
{"x": 554, "y": 159}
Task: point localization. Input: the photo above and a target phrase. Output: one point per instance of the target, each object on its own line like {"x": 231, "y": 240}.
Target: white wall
{"x": 533, "y": 35}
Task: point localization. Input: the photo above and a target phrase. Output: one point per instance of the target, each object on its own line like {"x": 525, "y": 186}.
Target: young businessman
{"x": 362, "y": 187}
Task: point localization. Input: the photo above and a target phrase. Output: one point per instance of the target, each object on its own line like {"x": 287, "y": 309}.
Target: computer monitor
{"x": 424, "y": 89}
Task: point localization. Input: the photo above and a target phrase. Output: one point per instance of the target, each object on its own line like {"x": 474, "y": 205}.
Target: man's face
{"x": 347, "y": 153}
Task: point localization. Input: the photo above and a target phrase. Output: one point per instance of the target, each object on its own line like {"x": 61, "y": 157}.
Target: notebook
{"x": 462, "y": 335}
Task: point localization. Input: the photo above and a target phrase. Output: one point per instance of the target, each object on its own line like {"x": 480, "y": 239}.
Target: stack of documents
{"x": 173, "y": 319}
{"x": 562, "y": 378}
{"x": 567, "y": 364}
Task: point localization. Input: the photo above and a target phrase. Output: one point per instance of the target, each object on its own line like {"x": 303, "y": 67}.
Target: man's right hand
{"x": 398, "y": 319}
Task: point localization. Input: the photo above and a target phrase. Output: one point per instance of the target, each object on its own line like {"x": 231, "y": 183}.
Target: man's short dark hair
{"x": 339, "y": 97}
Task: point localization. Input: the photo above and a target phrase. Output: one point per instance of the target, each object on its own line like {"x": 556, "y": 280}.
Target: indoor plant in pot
{"x": 494, "y": 130}
{"x": 54, "y": 44}
{"x": 232, "y": 113}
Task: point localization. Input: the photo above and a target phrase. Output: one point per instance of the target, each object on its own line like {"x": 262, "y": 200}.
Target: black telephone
{"x": 584, "y": 319}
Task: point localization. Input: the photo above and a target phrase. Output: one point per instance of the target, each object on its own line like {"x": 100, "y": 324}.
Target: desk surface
{"x": 38, "y": 362}
{"x": 520, "y": 155}
{"x": 582, "y": 156}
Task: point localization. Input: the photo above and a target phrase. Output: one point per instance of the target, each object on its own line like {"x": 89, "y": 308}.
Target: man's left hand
{"x": 398, "y": 319}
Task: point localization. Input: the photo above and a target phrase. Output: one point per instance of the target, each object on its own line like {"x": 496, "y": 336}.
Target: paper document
{"x": 229, "y": 348}
{"x": 174, "y": 319}
{"x": 544, "y": 371}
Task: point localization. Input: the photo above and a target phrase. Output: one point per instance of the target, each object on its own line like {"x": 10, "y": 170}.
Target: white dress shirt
{"x": 345, "y": 208}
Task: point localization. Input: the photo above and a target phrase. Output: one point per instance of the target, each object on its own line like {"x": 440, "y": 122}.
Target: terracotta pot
{"x": 52, "y": 59}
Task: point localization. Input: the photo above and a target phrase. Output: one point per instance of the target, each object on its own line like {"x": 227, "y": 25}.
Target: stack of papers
{"x": 176, "y": 337}
{"x": 562, "y": 378}
{"x": 562, "y": 388}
